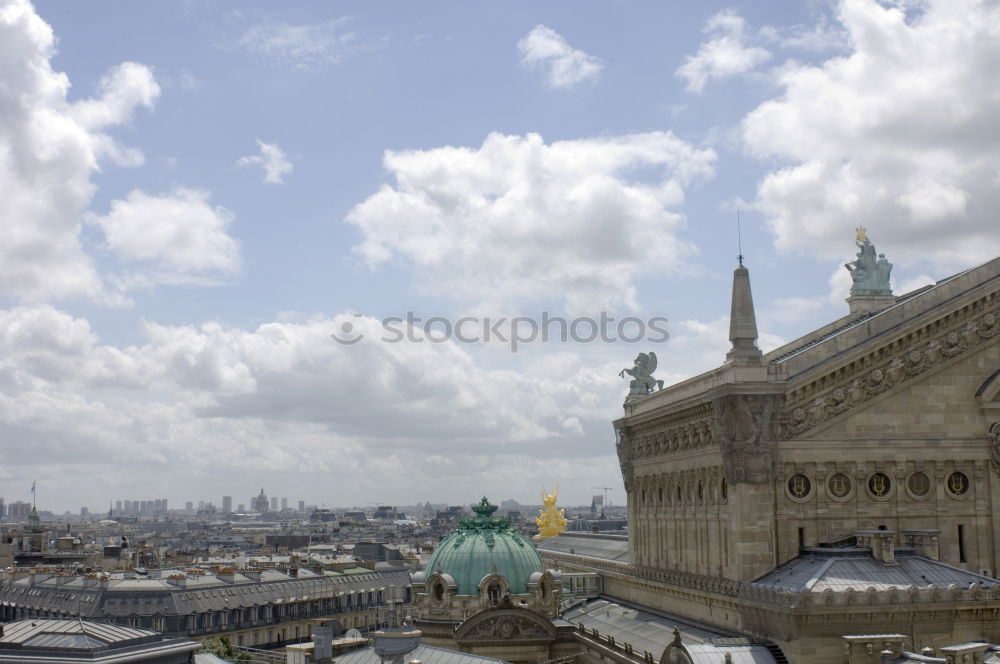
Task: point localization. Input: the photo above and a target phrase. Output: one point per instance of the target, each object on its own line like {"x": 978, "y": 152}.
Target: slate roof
{"x": 201, "y": 593}
{"x": 652, "y": 633}
{"x": 840, "y": 569}
{"x": 38, "y": 632}
{"x": 606, "y": 547}
{"x": 426, "y": 654}
{"x": 68, "y": 640}
{"x": 209, "y": 658}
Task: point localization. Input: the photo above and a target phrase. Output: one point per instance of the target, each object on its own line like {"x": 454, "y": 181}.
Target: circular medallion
{"x": 958, "y": 484}
{"x": 918, "y": 485}
{"x": 839, "y": 486}
{"x": 879, "y": 486}
{"x": 798, "y": 487}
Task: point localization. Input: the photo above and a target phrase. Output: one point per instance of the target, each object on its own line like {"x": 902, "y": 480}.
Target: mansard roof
{"x": 592, "y": 545}
{"x": 54, "y": 640}
{"x": 120, "y": 596}
{"x": 654, "y": 633}
{"x": 854, "y": 568}
{"x": 424, "y": 653}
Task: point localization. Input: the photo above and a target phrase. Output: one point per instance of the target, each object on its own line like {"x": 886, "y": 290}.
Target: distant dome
{"x": 481, "y": 545}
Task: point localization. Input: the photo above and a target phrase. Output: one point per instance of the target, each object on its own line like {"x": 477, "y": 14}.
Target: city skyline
{"x": 162, "y": 506}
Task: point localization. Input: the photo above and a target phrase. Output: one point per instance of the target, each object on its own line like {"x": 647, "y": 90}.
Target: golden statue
{"x": 862, "y": 234}
{"x": 551, "y": 521}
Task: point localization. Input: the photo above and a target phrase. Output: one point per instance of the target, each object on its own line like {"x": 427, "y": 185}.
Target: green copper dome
{"x": 482, "y": 544}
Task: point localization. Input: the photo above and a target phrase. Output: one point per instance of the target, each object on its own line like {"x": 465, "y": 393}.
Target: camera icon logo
{"x": 348, "y": 336}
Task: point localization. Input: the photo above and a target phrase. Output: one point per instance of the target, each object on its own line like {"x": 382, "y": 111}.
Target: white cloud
{"x": 793, "y": 309}
{"x": 50, "y": 149}
{"x": 544, "y": 48}
{"x": 272, "y": 159}
{"x": 286, "y": 402}
{"x": 122, "y": 89}
{"x": 724, "y": 55}
{"x": 900, "y": 136}
{"x": 702, "y": 345}
{"x": 300, "y": 46}
{"x": 913, "y": 283}
{"x": 284, "y": 406}
{"x": 177, "y": 237}
{"x": 822, "y": 36}
{"x": 517, "y": 219}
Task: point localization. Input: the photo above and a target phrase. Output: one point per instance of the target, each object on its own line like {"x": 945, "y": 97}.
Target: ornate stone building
{"x": 263, "y": 609}
{"x": 485, "y": 592}
{"x": 843, "y": 484}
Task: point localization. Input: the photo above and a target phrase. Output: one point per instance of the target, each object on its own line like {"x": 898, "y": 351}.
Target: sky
{"x": 196, "y": 198}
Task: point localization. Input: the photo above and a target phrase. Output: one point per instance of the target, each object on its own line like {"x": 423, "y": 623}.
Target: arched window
{"x": 494, "y": 593}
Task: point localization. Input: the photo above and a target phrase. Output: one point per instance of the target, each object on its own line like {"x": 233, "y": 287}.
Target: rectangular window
{"x": 802, "y": 538}
{"x": 962, "y": 557}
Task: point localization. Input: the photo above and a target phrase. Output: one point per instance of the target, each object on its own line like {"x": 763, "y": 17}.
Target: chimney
{"x": 881, "y": 542}
{"x": 323, "y": 642}
{"x": 924, "y": 541}
{"x": 178, "y": 580}
{"x": 742, "y": 321}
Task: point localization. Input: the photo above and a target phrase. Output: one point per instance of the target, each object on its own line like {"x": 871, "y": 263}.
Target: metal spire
{"x": 739, "y": 237}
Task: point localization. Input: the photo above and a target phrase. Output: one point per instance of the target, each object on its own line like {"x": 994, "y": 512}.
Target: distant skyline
{"x": 195, "y": 196}
{"x": 293, "y": 504}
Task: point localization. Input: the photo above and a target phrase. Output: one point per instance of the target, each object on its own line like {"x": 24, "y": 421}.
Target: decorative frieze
{"x": 657, "y": 443}
{"x": 687, "y": 488}
{"x": 867, "y": 382}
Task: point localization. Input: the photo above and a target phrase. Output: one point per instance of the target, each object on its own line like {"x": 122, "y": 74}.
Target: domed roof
{"x": 482, "y": 545}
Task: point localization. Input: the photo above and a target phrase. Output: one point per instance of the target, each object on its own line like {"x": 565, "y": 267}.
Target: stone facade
{"x": 259, "y": 609}
{"x": 885, "y": 421}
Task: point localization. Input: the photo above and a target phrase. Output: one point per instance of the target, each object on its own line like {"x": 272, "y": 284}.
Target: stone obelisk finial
{"x": 743, "y": 321}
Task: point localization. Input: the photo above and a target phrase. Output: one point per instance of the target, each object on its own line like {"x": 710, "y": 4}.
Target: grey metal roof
{"x": 64, "y": 641}
{"x": 713, "y": 654}
{"x": 120, "y": 596}
{"x": 80, "y": 635}
{"x": 209, "y": 658}
{"x": 606, "y": 547}
{"x": 857, "y": 569}
{"x": 426, "y": 654}
{"x": 652, "y": 633}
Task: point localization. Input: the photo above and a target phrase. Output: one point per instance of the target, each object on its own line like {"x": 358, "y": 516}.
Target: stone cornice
{"x": 685, "y": 583}
{"x": 658, "y": 421}
{"x": 890, "y": 366}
